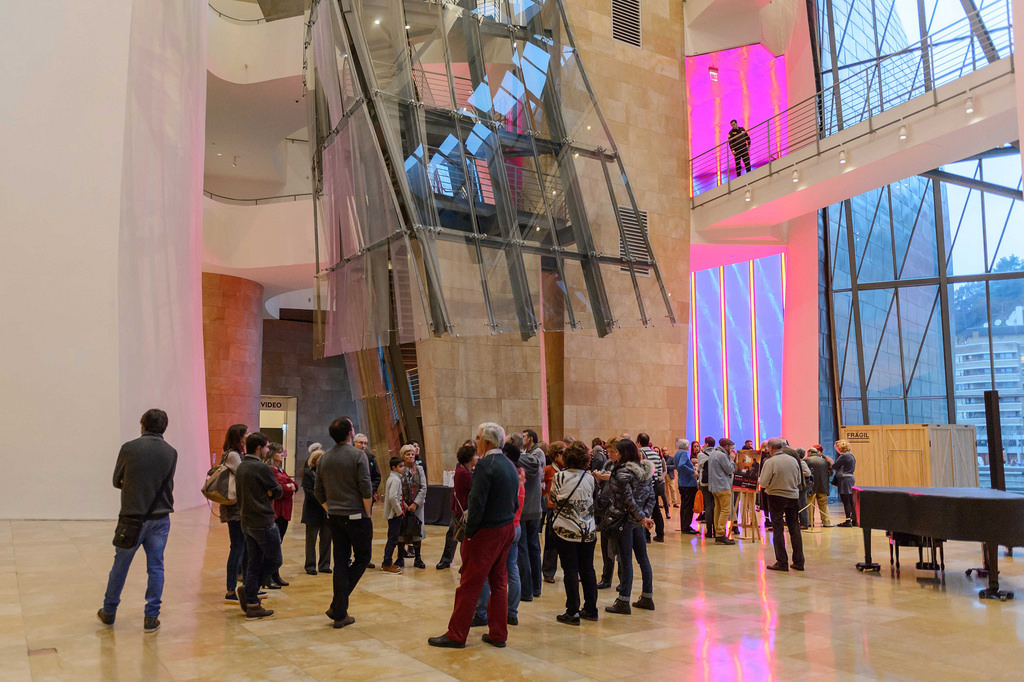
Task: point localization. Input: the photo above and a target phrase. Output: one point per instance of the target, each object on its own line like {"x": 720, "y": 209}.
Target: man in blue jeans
{"x": 256, "y": 486}
{"x": 145, "y": 474}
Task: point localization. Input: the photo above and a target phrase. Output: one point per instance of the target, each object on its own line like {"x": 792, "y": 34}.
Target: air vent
{"x": 635, "y": 231}
{"x": 626, "y": 21}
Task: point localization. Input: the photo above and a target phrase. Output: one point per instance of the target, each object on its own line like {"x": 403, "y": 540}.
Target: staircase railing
{"x": 977, "y": 40}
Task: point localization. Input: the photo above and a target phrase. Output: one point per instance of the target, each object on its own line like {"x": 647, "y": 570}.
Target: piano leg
{"x": 992, "y": 564}
{"x": 867, "y": 564}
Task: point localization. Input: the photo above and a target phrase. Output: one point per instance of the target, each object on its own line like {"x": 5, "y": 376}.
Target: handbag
{"x": 220, "y": 486}
{"x": 459, "y": 526}
{"x": 128, "y": 529}
{"x": 411, "y": 527}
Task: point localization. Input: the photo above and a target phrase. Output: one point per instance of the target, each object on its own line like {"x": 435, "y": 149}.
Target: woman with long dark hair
{"x": 632, "y": 503}
{"x": 234, "y": 446}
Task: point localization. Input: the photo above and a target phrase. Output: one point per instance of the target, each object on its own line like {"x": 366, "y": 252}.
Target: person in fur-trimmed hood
{"x": 632, "y": 503}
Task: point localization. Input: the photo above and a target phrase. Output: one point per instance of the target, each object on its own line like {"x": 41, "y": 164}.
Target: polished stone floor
{"x": 720, "y": 615}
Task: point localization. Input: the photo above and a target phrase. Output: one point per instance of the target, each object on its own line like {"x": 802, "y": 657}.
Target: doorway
{"x": 277, "y": 422}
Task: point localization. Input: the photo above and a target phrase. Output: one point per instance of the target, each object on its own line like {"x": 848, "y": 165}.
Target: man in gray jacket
{"x": 343, "y": 487}
{"x": 145, "y": 475}
{"x": 781, "y": 478}
{"x": 721, "y": 465}
{"x": 532, "y": 462}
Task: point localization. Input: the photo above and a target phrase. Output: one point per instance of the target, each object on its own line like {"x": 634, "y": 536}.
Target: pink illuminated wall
{"x": 750, "y": 87}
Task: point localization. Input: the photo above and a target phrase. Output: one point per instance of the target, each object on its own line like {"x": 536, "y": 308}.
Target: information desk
{"x": 991, "y": 517}
{"x": 437, "y": 510}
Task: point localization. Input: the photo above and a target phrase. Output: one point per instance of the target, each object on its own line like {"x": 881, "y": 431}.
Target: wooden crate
{"x": 914, "y": 455}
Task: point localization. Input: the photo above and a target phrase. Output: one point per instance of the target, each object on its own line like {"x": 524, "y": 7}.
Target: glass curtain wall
{"x": 923, "y": 280}
{"x": 461, "y": 159}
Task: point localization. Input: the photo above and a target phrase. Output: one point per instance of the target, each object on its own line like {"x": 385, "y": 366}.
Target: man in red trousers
{"x": 493, "y": 500}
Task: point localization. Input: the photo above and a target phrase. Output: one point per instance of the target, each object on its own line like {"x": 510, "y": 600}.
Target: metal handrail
{"x": 859, "y": 96}
{"x": 261, "y": 201}
{"x": 258, "y": 20}
{"x": 222, "y": 15}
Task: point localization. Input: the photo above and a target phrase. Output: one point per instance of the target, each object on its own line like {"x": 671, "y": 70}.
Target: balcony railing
{"x": 977, "y": 40}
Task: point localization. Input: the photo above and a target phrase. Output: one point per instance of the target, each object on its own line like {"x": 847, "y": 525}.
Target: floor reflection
{"x": 720, "y": 616}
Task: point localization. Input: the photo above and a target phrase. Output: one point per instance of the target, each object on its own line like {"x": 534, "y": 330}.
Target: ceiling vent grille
{"x": 626, "y": 21}
{"x": 635, "y": 231}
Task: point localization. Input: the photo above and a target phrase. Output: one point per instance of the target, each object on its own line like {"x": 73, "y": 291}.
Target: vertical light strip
{"x": 783, "y": 287}
{"x": 753, "y": 353}
{"x": 693, "y": 342}
{"x": 725, "y": 364}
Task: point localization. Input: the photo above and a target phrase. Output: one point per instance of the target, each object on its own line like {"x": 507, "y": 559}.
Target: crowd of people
{"x": 509, "y": 490}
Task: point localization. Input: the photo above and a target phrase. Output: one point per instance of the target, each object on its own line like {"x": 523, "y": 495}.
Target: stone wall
{"x": 469, "y": 380}
{"x": 635, "y": 379}
{"x": 320, "y": 386}
{"x": 232, "y": 347}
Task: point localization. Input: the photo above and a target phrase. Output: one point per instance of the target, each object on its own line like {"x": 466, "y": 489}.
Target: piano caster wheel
{"x": 995, "y": 594}
{"x": 861, "y": 566}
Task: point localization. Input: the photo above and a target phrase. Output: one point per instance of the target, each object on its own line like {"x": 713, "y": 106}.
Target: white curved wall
{"x": 270, "y": 243}
{"x": 83, "y": 354}
{"x": 250, "y": 53}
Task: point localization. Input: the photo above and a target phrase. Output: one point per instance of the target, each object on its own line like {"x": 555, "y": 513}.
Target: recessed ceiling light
{"x": 407, "y": 27}
{"x": 219, "y": 154}
{"x": 376, "y": 22}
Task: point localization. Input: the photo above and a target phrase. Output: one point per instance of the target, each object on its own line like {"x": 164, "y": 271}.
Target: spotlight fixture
{"x": 407, "y": 27}
{"x": 746, "y": 196}
{"x": 842, "y": 157}
{"x": 796, "y": 175}
{"x": 575, "y": 155}
{"x": 713, "y": 73}
{"x": 219, "y": 154}
{"x": 969, "y": 105}
{"x": 376, "y": 22}
{"x": 903, "y": 133}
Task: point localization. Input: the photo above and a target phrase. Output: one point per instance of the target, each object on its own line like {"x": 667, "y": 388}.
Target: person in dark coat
{"x": 739, "y": 143}
{"x": 144, "y": 472}
{"x": 844, "y": 467}
{"x": 315, "y": 518}
{"x": 632, "y": 504}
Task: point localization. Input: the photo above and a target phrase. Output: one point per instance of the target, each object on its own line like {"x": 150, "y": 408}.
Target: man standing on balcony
{"x": 739, "y": 143}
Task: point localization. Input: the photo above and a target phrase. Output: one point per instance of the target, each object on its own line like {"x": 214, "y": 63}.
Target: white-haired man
{"x": 781, "y": 478}
{"x": 490, "y": 527}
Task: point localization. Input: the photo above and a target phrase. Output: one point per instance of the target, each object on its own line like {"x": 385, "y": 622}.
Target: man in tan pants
{"x": 721, "y": 465}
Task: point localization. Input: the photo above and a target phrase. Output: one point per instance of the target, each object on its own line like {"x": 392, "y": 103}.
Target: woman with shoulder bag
{"x": 234, "y": 446}
{"x": 632, "y": 503}
{"x": 575, "y": 535}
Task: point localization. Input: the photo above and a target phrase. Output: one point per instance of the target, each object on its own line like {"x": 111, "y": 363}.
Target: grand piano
{"x": 991, "y": 517}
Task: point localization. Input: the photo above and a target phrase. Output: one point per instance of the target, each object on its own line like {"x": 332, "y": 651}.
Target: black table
{"x": 437, "y": 509}
{"x": 991, "y": 517}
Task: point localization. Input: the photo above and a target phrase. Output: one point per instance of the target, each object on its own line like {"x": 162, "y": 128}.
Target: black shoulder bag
{"x": 126, "y": 535}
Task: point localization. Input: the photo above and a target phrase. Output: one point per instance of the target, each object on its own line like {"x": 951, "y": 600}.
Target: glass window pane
{"x": 382, "y": 23}
{"x": 880, "y": 334}
{"x": 924, "y": 358}
{"x": 430, "y": 75}
{"x": 873, "y": 238}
